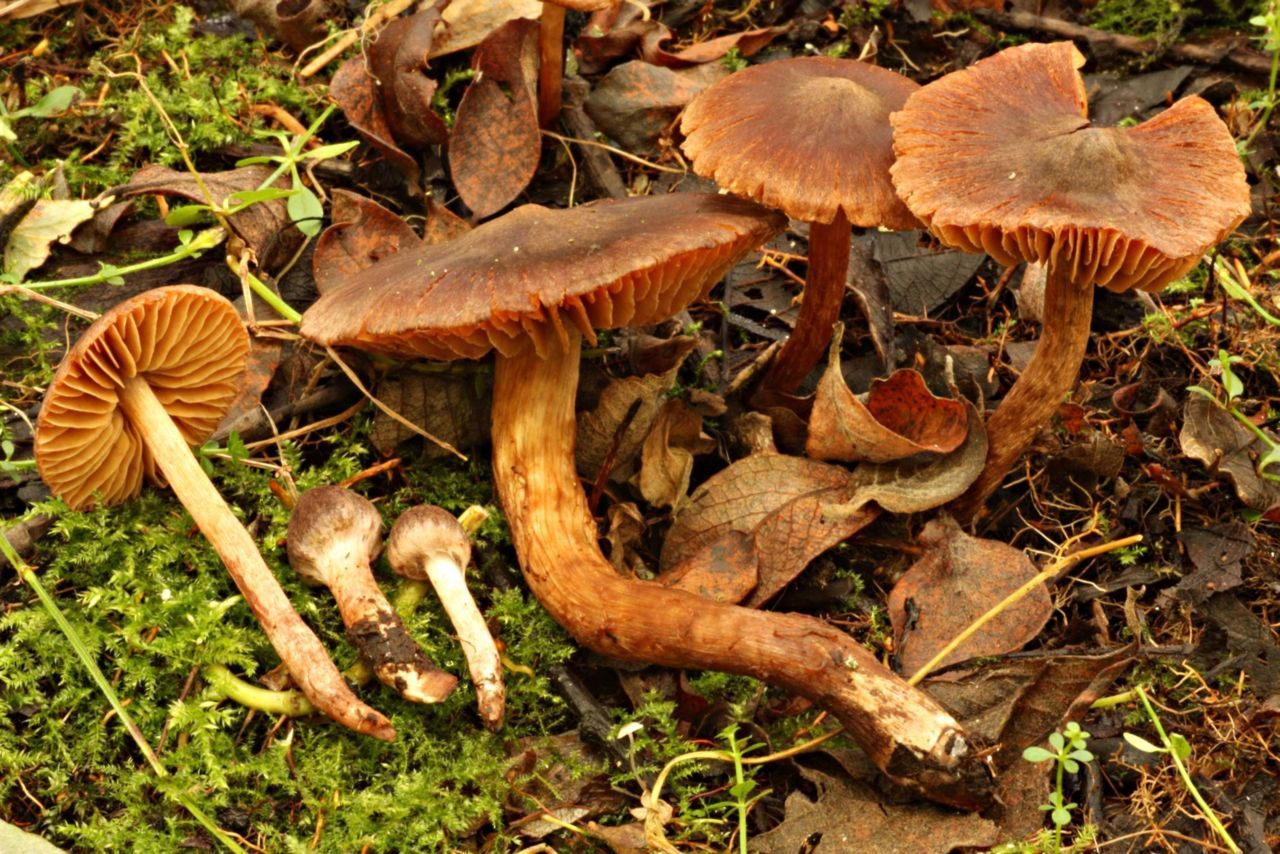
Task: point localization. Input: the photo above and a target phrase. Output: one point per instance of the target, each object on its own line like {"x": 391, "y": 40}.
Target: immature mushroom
{"x": 334, "y": 535}
{"x": 146, "y": 381}
{"x": 1000, "y": 158}
{"x": 551, "y": 53}
{"x": 428, "y": 544}
{"x": 809, "y": 136}
{"x": 530, "y": 285}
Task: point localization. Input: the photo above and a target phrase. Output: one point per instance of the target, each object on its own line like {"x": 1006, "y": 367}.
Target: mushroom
{"x": 809, "y": 136}
{"x": 428, "y": 544}
{"x": 334, "y": 535}
{"x": 1001, "y": 158}
{"x": 148, "y": 380}
{"x": 551, "y": 52}
{"x": 531, "y": 284}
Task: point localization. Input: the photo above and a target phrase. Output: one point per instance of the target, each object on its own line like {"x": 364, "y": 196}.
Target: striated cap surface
{"x": 528, "y": 274}
{"x": 190, "y": 346}
{"x": 1001, "y": 158}
{"x": 807, "y": 136}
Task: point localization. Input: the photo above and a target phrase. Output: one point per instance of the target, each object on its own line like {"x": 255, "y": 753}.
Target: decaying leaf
{"x": 1216, "y": 553}
{"x": 496, "y": 141}
{"x": 466, "y": 23}
{"x": 1213, "y": 438}
{"x": 1019, "y": 702}
{"x": 453, "y": 407}
{"x": 900, "y": 418}
{"x": 626, "y": 528}
{"x": 398, "y": 60}
{"x": 957, "y": 580}
{"x": 914, "y": 486}
{"x": 666, "y": 456}
{"x": 47, "y": 222}
{"x": 362, "y": 233}
{"x": 598, "y": 430}
{"x": 636, "y": 102}
{"x": 849, "y": 816}
{"x": 355, "y": 91}
{"x": 724, "y": 570}
{"x": 297, "y": 23}
{"x": 747, "y": 43}
{"x": 442, "y": 224}
{"x": 259, "y": 368}
{"x": 265, "y": 227}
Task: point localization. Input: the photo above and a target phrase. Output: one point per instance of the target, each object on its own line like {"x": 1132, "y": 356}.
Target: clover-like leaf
{"x": 1137, "y": 742}
{"x": 1037, "y": 754}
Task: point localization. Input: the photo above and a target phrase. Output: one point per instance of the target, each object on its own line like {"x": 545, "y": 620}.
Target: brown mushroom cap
{"x": 1000, "y": 158}
{"x": 526, "y": 274}
{"x": 332, "y": 530}
{"x": 807, "y": 136}
{"x": 422, "y": 533}
{"x": 190, "y": 346}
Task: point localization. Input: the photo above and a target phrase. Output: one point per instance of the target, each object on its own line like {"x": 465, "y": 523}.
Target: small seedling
{"x": 1069, "y": 750}
{"x": 1179, "y": 750}
{"x": 55, "y": 101}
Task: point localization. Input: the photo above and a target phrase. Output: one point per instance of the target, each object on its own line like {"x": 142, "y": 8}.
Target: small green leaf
{"x": 185, "y": 235}
{"x": 236, "y": 448}
{"x": 1056, "y": 741}
{"x": 1139, "y": 743}
{"x": 55, "y": 101}
{"x": 326, "y": 152}
{"x": 259, "y": 160}
{"x": 1061, "y": 817}
{"x": 1181, "y": 747}
{"x": 244, "y": 198}
{"x": 1071, "y": 766}
{"x": 306, "y": 211}
{"x": 186, "y": 215}
{"x": 1081, "y": 755}
{"x": 742, "y": 790}
{"x": 1037, "y": 754}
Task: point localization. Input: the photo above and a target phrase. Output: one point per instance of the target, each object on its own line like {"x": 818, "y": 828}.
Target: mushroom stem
{"x": 905, "y": 732}
{"x": 1036, "y": 395}
{"x": 820, "y": 308}
{"x": 297, "y": 645}
{"x": 550, "y": 62}
{"x": 450, "y": 583}
{"x": 380, "y": 635}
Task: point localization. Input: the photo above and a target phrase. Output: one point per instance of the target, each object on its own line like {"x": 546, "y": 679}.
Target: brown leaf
{"x": 848, "y": 816}
{"x": 355, "y": 91}
{"x": 1216, "y": 553}
{"x": 636, "y": 102}
{"x": 724, "y": 570}
{"x": 298, "y": 23}
{"x": 957, "y": 580}
{"x": 1212, "y": 437}
{"x": 914, "y": 486}
{"x": 598, "y": 429}
{"x": 666, "y": 457}
{"x": 782, "y": 502}
{"x": 496, "y": 142}
{"x": 398, "y": 60}
{"x": 901, "y": 417}
{"x": 264, "y": 227}
{"x": 260, "y": 367}
{"x": 626, "y": 529}
{"x": 1018, "y": 703}
{"x": 363, "y": 232}
{"x": 748, "y": 43}
{"x": 468, "y": 22}
{"x": 451, "y": 406}
{"x": 442, "y": 224}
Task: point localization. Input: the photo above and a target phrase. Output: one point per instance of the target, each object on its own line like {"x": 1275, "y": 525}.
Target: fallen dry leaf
{"x": 454, "y": 407}
{"x": 848, "y": 816}
{"x": 442, "y": 224}
{"x": 666, "y": 456}
{"x": 496, "y": 142}
{"x": 1216, "y": 553}
{"x": 298, "y": 23}
{"x": 259, "y": 368}
{"x": 636, "y": 102}
{"x": 265, "y": 227}
{"x": 900, "y": 418}
{"x": 724, "y": 570}
{"x": 398, "y": 60}
{"x": 1217, "y": 441}
{"x": 957, "y": 580}
{"x": 355, "y": 91}
{"x": 45, "y": 223}
{"x": 466, "y": 23}
{"x": 598, "y": 430}
{"x": 362, "y": 233}
{"x": 747, "y": 43}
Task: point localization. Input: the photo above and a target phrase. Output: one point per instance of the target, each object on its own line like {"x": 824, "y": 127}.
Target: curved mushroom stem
{"x": 450, "y": 583}
{"x": 905, "y": 732}
{"x": 380, "y": 635}
{"x": 1035, "y": 397}
{"x": 820, "y": 309}
{"x": 550, "y": 62}
{"x": 298, "y": 647}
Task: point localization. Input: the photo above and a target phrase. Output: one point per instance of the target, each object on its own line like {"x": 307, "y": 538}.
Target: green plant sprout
{"x": 190, "y": 245}
{"x": 1069, "y": 750}
{"x": 1179, "y": 750}
{"x": 1269, "y": 40}
{"x": 305, "y": 209}
{"x": 77, "y": 644}
{"x": 55, "y": 101}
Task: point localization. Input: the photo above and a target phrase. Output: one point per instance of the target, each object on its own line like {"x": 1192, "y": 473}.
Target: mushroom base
{"x": 904, "y": 731}
{"x": 1036, "y": 396}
